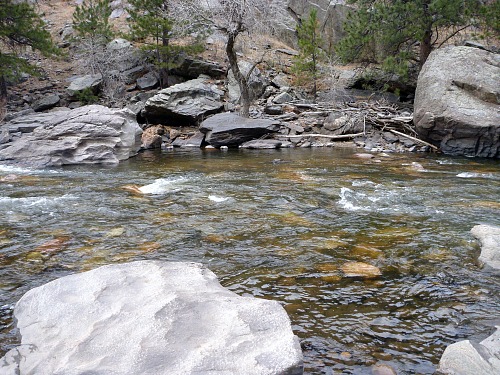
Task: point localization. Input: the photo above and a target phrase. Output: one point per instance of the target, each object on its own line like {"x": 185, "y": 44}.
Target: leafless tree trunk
{"x": 3, "y": 98}
{"x": 232, "y": 18}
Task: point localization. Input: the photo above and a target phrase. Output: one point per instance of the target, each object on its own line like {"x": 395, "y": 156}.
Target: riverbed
{"x": 279, "y": 225}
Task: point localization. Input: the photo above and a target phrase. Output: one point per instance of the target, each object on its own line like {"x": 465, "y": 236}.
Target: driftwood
{"x": 343, "y": 136}
{"x": 380, "y": 115}
{"x": 414, "y": 139}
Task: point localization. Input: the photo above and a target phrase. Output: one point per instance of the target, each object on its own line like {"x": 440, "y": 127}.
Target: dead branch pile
{"x": 380, "y": 115}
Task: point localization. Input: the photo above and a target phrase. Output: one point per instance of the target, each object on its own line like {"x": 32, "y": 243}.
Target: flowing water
{"x": 278, "y": 229}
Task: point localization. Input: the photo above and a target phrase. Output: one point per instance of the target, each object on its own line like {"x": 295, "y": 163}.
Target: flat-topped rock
{"x": 489, "y": 237}
{"x": 230, "y": 129}
{"x": 149, "y": 317}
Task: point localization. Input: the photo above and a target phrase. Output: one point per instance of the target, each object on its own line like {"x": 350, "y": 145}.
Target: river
{"x": 278, "y": 225}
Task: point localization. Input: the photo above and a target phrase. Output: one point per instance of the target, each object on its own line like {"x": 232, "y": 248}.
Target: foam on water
{"x": 163, "y": 186}
{"x": 475, "y": 175}
{"x": 12, "y": 169}
{"x": 217, "y": 199}
{"x": 35, "y": 201}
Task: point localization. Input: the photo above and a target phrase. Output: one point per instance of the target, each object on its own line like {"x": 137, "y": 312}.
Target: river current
{"x": 278, "y": 225}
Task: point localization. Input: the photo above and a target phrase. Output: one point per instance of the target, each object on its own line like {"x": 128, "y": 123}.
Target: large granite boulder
{"x": 185, "y": 102}
{"x": 149, "y": 317}
{"x": 489, "y": 237}
{"x": 472, "y": 358}
{"x": 331, "y": 15}
{"x": 91, "y": 134}
{"x": 229, "y": 129}
{"x": 457, "y": 101}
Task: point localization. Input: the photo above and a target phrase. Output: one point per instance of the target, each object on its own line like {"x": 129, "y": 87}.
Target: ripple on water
{"x": 283, "y": 234}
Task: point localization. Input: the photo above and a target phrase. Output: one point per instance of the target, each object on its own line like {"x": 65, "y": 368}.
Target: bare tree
{"x": 234, "y": 18}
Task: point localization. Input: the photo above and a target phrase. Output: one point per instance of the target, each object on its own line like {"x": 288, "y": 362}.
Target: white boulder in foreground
{"x": 489, "y": 237}
{"x": 149, "y": 317}
{"x": 472, "y": 358}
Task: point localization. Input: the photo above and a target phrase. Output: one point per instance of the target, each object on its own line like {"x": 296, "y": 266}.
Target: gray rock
{"x": 339, "y": 124}
{"x": 87, "y": 135}
{"x": 262, "y": 144}
{"x": 125, "y": 55}
{"x": 331, "y": 17}
{"x": 192, "y": 68}
{"x": 281, "y": 80}
{"x": 229, "y": 129}
{"x": 188, "y": 102}
{"x": 88, "y": 82}
{"x": 149, "y": 317}
{"x": 12, "y": 116}
{"x": 257, "y": 82}
{"x": 489, "y": 237}
{"x": 133, "y": 74}
{"x": 147, "y": 81}
{"x": 273, "y": 110}
{"x": 283, "y": 98}
{"x": 472, "y": 358}
{"x": 46, "y": 102}
{"x": 4, "y": 135}
{"x": 457, "y": 101}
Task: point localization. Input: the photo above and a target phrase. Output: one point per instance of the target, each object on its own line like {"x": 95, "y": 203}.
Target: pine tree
{"x": 401, "y": 33}
{"x": 90, "y": 21}
{"x": 306, "y": 64}
{"x": 165, "y": 37}
{"x": 20, "y": 26}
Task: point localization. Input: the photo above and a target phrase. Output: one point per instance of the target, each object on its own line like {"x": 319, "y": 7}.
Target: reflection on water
{"x": 278, "y": 225}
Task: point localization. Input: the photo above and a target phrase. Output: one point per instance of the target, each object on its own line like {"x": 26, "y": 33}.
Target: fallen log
{"x": 343, "y": 136}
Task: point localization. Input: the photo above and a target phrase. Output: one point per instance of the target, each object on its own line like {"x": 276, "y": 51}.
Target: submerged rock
{"x": 149, "y": 317}
{"x": 489, "y": 237}
{"x": 360, "y": 269}
{"x": 91, "y": 134}
{"x": 457, "y": 101}
{"x": 472, "y": 358}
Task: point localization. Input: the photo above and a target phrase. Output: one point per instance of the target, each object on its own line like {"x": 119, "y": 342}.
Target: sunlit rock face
{"x": 149, "y": 317}
{"x": 471, "y": 358}
{"x": 457, "y": 101}
{"x": 489, "y": 237}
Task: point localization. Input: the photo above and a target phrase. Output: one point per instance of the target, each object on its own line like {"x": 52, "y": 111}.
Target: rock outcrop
{"x": 88, "y": 135}
{"x": 229, "y": 129}
{"x": 457, "y": 101}
{"x": 185, "y": 102}
{"x": 149, "y": 317}
{"x": 489, "y": 237}
{"x": 331, "y": 17}
{"x": 472, "y": 358}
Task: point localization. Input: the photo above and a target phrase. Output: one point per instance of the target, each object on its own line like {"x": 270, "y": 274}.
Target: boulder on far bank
{"x": 186, "y": 102}
{"x": 91, "y": 134}
{"x": 457, "y": 102}
{"x": 230, "y": 129}
{"x": 489, "y": 237}
{"x": 79, "y": 85}
{"x": 149, "y": 317}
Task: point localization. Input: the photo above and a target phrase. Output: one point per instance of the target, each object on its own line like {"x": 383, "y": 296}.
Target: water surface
{"x": 278, "y": 225}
